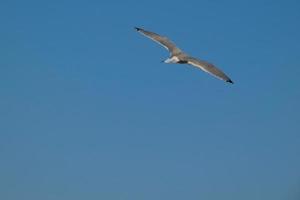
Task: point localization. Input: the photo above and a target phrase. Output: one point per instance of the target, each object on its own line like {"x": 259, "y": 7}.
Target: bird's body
{"x": 179, "y": 57}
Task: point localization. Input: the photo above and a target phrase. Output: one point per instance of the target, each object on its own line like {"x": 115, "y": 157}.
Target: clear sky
{"x": 88, "y": 111}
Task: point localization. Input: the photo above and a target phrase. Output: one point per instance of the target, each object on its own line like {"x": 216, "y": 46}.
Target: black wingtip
{"x": 229, "y": 81}
{"x": 137, "y": 28}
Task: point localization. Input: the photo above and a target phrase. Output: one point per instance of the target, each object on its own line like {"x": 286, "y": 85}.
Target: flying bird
{"x": 178, "y": 56}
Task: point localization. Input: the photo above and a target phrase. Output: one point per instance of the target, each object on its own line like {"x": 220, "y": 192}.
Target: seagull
{"x": 179, "y": 57}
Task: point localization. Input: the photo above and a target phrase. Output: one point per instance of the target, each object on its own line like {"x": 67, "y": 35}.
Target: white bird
{"x": 178, "y": 56}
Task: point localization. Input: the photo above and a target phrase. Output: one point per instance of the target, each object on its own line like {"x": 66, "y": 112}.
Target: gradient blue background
{"x": 89, "y": 112}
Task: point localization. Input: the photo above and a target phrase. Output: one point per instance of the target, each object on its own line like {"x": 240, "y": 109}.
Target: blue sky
{"x": 89, "y": 112}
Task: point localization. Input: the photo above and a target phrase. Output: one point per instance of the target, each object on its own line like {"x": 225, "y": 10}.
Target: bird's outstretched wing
{"x": 164, "y": 41}
{"x": 209, "y": 68}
